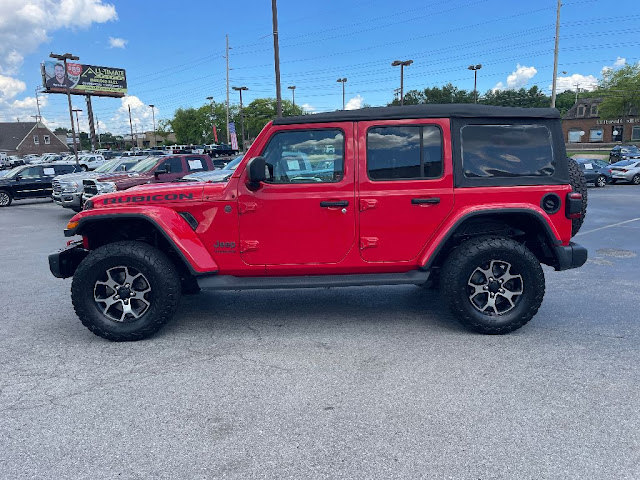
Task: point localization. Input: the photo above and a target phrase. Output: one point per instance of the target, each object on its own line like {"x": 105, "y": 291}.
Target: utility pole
{"x": 276, "y": 54}
{"x": 555, "y": 56}
{"x": 64, "y": 58}
{"x": 475, "y": 69}
{"x": 227, "y": 57}
{"x": 153, "y": 116}
{"x": 38, "y": 104}
{"x": 293, "y": 92}
{"x": 131, "y": 126}
{"x": 240, "y": 89}
{"x": 402, "y": 63}
{"x": 577, "y": 90}
{"x": 92, "y": 130}
{"x": 342, "y": 81}
{"x": 78, "y": 121}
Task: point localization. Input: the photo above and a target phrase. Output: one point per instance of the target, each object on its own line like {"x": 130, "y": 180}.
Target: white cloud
{"x": 141, "y": 117}
{"x": 620, "y": 62}
{"x": 518, "y": 78}
{"x": 355, "y": 103}
{"x": 25, "y": 24}
{"x": 115, "y": 42}
{"x": 584, "y": 82}
{"x": 308, "y": 108}
{"x": 10, "y": 87}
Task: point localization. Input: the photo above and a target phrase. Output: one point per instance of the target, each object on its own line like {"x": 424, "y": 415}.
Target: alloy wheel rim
{"x": 494, "y": 289}
{"x": 4, "y": 199}
{"x": 121, "y": 294}
{"x": 602, "y": 181}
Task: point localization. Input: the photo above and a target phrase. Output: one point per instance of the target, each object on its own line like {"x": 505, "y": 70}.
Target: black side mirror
{"x": 17, "y": 178}
{"x": 160, "y": 171}
{"x": 256, "y": 172}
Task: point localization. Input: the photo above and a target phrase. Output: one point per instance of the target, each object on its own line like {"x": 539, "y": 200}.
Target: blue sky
{"x": 173, "y": 51}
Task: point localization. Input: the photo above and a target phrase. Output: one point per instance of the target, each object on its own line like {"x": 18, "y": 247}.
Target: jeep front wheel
{"x": 494, "y": 285}
{"x": 125, "y": 291}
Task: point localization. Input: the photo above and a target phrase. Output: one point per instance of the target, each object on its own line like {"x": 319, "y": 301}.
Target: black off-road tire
{"x": 478, "y": 253}
{"x": 579, "y": 185}
{"x": 157, "y": 270}
{"x": 5, "y": 198}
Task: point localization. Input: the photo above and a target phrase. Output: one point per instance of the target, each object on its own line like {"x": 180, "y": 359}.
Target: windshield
{"x": 107, "y": 167}
{"x": 623, "y": 163}
{"x": 145, "y": 165}
{"x": 233, "y": 164}
{"x": 13, "y": 171}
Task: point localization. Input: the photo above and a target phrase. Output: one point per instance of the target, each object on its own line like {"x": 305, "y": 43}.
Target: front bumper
{"x": 63, "y": 263}
{"x": 68, "y": 200}
{"x": 570, "y": 256}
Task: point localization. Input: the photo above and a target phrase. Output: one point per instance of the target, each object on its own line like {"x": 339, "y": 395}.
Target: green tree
{"x": 163, "y": 130}
{"x": 191, "y": 124}
{"x": 61, "y": 131}
{"x": 446, "y": 94}
{"x": 261, "y": 111}
{"x": 621, "y": 92}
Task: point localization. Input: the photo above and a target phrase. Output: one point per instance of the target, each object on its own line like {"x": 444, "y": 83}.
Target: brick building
{"x": 22, "y": 138}
{"x": 582, "y": 124}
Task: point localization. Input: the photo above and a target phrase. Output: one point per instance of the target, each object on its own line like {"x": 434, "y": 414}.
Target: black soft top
{"x": 450, "y": 110}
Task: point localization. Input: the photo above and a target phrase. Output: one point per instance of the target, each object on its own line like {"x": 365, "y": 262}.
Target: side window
{"x": 172, "y": 165}
{"x": 196, "y": 164}
{"x": 506, "y": 151}
{"x": 62, "y": 169}
{"x": 404, "y": 153}
{"x": 305, "y": 156}
{"x": 31, "y": 172}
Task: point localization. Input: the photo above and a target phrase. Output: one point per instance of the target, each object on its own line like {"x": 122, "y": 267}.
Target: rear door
{"x": 30, "y": 183}
{"x": 405, "y": 186}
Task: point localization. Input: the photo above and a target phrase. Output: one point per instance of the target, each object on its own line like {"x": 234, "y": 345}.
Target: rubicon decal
{"x": 169, "y": 197}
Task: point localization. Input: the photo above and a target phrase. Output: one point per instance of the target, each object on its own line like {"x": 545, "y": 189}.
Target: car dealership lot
{"x": 325, "y": 383}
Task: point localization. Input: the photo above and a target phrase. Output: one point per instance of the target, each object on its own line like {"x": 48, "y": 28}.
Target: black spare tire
{"x": 579, "y": 185}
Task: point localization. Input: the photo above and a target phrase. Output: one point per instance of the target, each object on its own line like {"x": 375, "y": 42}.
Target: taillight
{"x": 574, "y": 205}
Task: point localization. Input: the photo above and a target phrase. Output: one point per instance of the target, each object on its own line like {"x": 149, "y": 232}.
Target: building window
{"x": 47, "y": 139}
{"x": 580, "y": 111}
{"x": 595, "y": 134}
{"x": 575, "y": 135}
{"x": 36, "y": 140}
{"x": 594, "y": 109}
{"x": 635, "y": 133}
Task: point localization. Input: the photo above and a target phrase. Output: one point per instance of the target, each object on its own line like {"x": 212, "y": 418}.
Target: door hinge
{"x": 367, "y": 203}
{"x": 248, "y": 245}
{"x": 368, "y": 242}
{"x": 245, "y": 207}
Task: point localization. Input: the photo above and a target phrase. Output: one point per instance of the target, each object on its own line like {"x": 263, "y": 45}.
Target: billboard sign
{"x": 84, "y": 79}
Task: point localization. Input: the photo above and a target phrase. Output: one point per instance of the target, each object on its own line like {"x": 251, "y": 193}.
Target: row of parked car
{"x": 69, "y": 185}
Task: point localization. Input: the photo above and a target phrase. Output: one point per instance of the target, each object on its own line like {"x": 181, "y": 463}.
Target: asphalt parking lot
{"x": 376, "y": 382}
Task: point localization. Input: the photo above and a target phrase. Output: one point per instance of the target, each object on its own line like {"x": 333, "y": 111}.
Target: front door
{"x": 305, "y": 212}
{"x": 406, "y": 186}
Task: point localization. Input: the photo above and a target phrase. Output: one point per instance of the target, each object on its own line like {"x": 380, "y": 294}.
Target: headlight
{"x": 106, "y": 187}
{"x": 70, "y": 187}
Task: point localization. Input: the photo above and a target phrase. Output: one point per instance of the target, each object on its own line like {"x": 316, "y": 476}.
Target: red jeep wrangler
{"x": 469, "y": 198}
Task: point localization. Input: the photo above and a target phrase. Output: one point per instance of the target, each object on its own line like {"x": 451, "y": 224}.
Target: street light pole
{"x": 475, "y": 69}
{"x": 64, "y": 58}
{"x": 153, "y": 116}
{"x": 293, "y": 92}
{"x": 240, "y": 89}
{"x": 402, "y": 63}
{"x": 343, "y": 81}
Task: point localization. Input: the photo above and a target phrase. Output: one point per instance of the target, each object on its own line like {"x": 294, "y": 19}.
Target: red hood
{"x": 128, "y": 180}
{"x": 154, "y": 194}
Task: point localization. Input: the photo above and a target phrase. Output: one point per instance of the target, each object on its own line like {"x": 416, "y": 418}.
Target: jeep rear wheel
{"x": 494, "y": 285}
{"x": 125, "y": 291}
{"x": 579, "y": 185}
{"x": 5, "y": 198}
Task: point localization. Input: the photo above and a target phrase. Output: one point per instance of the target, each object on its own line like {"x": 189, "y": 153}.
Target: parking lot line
{"x": 608, "y": 226}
